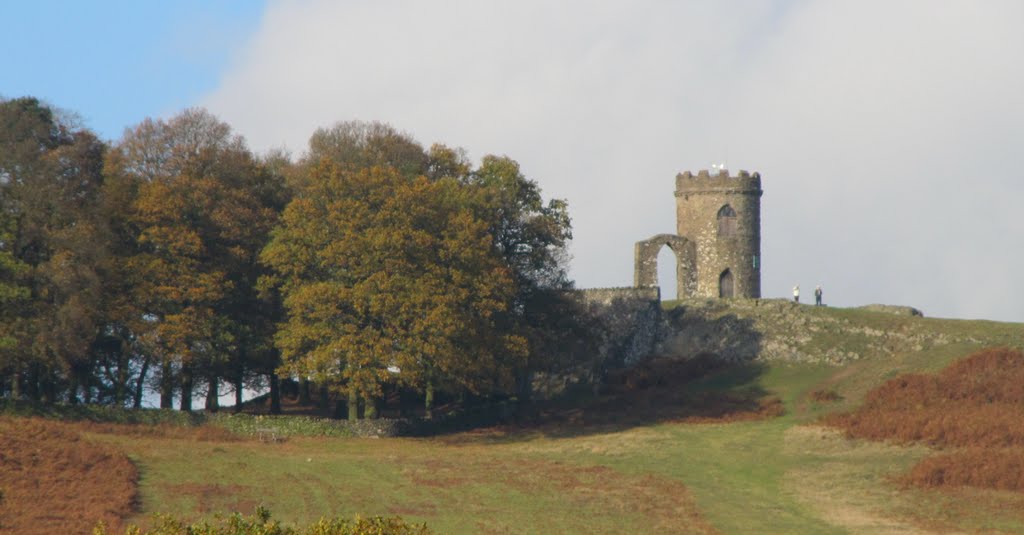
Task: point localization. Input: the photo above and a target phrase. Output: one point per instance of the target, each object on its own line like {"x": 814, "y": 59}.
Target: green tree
{"x": 50, "y": 175}
{"x": 532, "y": 237}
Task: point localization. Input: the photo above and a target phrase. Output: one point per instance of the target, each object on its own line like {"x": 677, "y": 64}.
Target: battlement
{"x": 704, "y": 182}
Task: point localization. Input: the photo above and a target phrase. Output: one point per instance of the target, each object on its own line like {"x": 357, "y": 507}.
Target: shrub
{"x": 825, "y": 396}
{"x": 976, "y": 404}
{"x": 260, "y": 523}
{"x": 975, "y": 467}
{"x": 57, "y": 482}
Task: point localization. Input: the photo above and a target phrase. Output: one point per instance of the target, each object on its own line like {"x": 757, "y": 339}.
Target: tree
{"x": 359, "y": 145}
{"x": 532, "y": 238}
{"x": 201, "y": 210}
{"x": 50, "y": 175}
{"x": 379, "y": 270}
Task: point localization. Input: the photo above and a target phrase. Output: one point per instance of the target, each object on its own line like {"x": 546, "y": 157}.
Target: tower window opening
{"x": 726, "y": 221}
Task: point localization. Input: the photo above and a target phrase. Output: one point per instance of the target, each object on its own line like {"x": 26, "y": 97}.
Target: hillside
{"x": 669, "y": 446}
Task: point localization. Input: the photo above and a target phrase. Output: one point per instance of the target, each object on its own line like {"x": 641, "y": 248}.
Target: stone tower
{"x": 721, "y": 215}
{"x": 718, "y": 238}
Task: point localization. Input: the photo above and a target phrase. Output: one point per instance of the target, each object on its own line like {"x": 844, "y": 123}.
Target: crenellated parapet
{"x": 705, "y": 182}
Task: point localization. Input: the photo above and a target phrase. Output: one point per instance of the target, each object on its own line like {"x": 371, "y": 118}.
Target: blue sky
{"x": 888, "y": 133}
{"x": 117, "y": 62}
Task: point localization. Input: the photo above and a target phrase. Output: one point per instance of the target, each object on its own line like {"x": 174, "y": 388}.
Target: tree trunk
{"x": 16, "y": 384}
{"x": 325, "y": 394}
{"x": 353, "y": 404}
{"x": 49, "y": 387}
{"x": 167, "y": 386}
{"x": 304, "y": 392}
{"x": 141, "y": 383}
{"x": 524, "y": 386}
{"x": 275, "y": 394}
{"x": 212, "y": 393}
{"x": 239, "y": 388}
{"x": 370, "y": 408}
{"x": 33, "y": 383}
{"x": 186, "y": 389}
{"x": 121, "y": 388}
{"x": 73, "y": 389}
{"x": 428, "y": 401}
{"x": 87, "y": 388}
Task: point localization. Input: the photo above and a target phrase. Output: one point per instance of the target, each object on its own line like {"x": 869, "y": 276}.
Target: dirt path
{"x": 841, "y": 486}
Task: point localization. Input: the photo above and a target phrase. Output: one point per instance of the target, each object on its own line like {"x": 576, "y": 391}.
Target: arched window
{"x": 725, "y": 284}
{"x": 726, "y": 221}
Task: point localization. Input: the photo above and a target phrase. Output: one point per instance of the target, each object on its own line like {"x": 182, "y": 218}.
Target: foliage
{"x": 284, "y": 426}
{"x": 46, "y": 463}
{"x": 260, "y": 524}
{"x": 138, "y": 265}
{"x": 51, "y": 246}
{"x": 378, "y": 270}
{"x": 975, "y": 403}
{"x": 200, "y": 207}
{"x": 358, "y": 145}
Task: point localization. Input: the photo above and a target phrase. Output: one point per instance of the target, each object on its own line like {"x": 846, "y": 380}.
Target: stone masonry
{"x": 718, "y": 237}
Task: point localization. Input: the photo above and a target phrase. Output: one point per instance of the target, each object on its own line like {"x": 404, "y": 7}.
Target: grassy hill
{"x": 662, "y": 449}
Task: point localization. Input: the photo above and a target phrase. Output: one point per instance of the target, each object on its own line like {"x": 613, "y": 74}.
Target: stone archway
{"x": 645, "y": 268}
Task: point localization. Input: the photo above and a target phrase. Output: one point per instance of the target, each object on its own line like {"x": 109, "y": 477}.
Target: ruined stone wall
{"x": 645, "y": 267}
{"x": 625, "y": 327}
{"x": 630, "y": 323}
{"x": 698, "y": 201}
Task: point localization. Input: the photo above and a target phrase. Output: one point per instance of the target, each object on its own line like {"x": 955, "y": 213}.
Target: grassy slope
{"x": 776, "y": 476}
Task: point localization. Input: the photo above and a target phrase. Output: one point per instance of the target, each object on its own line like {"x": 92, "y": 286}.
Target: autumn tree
{"x": 202, "y": 207}
{"x": 378, "y": 271}
{"x": 357, "y": 145}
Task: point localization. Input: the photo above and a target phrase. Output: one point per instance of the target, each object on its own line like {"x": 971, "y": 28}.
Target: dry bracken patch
{"x": 54, "y": 481}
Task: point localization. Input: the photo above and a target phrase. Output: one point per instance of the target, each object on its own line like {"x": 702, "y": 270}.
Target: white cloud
{"x": 887, "y": 133}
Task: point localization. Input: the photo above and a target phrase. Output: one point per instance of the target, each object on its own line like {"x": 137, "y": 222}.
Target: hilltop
{"x": 777, "y": 330}
{"x": 720, "y": 432}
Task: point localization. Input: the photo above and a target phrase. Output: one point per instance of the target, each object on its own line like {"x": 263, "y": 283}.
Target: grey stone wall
{"x": 625, "y": 326}
{"x": 698, "y": 200}
{"x": 629, "y": 322}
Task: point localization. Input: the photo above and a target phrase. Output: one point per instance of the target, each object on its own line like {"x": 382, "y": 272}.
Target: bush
{"x": 975, "y": 467}
{"x": 976, "y": 404}
{"x": 261, "y": 524}
{"x": 825, "y": 396}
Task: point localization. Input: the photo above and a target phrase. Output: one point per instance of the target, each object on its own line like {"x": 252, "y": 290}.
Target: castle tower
{"x": 721, "y": 215}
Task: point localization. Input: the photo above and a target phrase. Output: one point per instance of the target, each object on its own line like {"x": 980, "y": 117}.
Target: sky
{"x": 889, "y": 134}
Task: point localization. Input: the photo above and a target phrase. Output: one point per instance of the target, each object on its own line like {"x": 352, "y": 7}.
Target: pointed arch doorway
{"x": 726, "y": 287}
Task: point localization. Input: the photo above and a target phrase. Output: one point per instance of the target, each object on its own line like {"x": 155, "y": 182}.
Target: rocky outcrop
{"x": 783, "y": 331}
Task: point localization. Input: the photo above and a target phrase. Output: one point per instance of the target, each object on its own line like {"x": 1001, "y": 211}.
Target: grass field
{"x": 784, "y": 474}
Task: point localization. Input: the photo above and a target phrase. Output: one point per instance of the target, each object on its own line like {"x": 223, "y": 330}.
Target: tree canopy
{"x": 178, "y": 261}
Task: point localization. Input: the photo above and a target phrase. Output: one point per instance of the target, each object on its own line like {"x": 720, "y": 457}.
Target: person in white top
{"x": 796, "y": 293}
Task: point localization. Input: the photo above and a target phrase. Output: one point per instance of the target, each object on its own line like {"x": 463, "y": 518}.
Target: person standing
{"x": 796, "y": 293}
{"x": 817, "y": 296}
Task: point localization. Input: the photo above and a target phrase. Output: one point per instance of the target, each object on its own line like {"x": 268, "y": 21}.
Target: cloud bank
{"x": 888, "y": 134}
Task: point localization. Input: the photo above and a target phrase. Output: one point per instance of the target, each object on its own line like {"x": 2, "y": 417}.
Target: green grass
{"x": 784, "y": 475}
